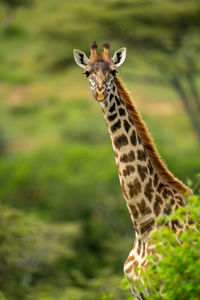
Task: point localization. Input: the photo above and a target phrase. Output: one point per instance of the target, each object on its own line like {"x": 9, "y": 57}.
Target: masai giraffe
{"x": 149, "y": 188}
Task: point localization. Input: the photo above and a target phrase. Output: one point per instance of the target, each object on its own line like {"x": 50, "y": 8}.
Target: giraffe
{"x": 149, "y": 188}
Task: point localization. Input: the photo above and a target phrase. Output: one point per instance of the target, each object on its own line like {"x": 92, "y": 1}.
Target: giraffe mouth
{"x": 100, "y": 96}
{"x": 102, "y": 100}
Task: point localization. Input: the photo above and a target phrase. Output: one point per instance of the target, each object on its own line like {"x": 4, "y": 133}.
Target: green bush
{"x": 30, "y": 250}
{"x": 176, "y": 275}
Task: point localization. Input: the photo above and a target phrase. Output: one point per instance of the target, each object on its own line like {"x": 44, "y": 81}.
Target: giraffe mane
{"x": 148, "y": 143}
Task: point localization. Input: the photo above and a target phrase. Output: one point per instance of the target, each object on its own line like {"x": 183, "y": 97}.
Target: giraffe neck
{"x": 144, "y": 190}
{"x": 146, "y": 193}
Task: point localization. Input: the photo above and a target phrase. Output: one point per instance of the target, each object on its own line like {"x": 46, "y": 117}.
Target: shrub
{"x": 176, "y": 275}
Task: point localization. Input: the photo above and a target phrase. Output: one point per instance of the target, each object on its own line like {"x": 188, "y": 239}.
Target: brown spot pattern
{"x": 128, "y": 170}
{"x": 166, "y": 193}
{"x": 129, "y": 269}
{"x": 148, "y": 190}
{"x": 160, "y": 187}
{"x": 172, "y": 201}
{"x": 127, "y": 126}
{"x": 150, "y": 167}
{"x": 155, "y": 180}
{"x": 141, "y": 155}
{"x": 112, "y": 117}
{"x": 120, "y": 141}
{"x": 122, "y": 112}
{"x": 147, "y": 225}
{"x": 139, "y": 247}
{"x": 143, "y": 208}
{"x": 116, "y": 126}
{"x": 167, "y": 209}
{"x": 180, "y": 201}
{"x": 133, "y": 138}
{"x": 128, "y": 157}
{"x": 130, "y": 258}
{"x": 112, "y": 109}
{"x": 133, "y": 210}
{"x": 111, "y": 96}
{"x": 152, "y": 153}
{"x": 134, "y": 188}
{"x": 142, "y": 171}
{"x": 157, "y": 205}
{"x": 135, "y": 227}
{"x": 117, "y": 100}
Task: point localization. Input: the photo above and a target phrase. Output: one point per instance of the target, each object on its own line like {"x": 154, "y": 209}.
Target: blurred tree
{"x": 30, "y": 249}
{"x": 10, "y": 9}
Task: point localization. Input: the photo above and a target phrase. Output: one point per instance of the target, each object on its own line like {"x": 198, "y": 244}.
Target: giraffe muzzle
{"x": 100, "y": 94}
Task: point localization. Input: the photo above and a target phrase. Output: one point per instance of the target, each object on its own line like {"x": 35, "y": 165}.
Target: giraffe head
{"x": 100, "y": 68}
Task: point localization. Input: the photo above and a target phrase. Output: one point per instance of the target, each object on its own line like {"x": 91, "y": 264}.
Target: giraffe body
{"x": 150, "y": 190}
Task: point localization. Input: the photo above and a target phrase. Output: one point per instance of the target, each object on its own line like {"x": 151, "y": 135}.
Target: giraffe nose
{"x": 100, "y": 91}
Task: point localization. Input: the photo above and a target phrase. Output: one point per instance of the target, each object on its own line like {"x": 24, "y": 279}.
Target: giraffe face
{"x": 100, "y": 70}
{"x": 100, "y": 75}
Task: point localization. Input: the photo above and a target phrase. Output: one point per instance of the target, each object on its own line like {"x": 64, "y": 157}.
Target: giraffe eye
{"x": 86, "y": 73}
{"x": 113, "y": 72}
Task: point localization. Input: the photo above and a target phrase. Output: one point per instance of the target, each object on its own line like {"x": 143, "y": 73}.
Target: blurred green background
{"x": 64, "y": 227}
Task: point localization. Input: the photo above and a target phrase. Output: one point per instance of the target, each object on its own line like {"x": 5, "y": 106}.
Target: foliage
{"x": 176, "y": 275}
{"x": 30, "y": 250}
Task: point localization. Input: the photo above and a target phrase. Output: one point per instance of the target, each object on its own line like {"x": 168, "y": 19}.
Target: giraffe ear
{"x": 80, "y": 58}
{"x": 119, "y": 57}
